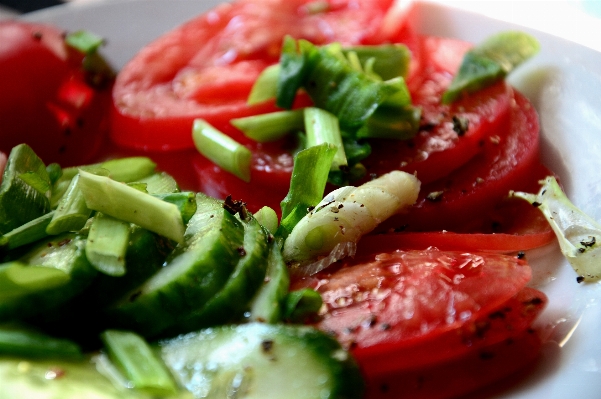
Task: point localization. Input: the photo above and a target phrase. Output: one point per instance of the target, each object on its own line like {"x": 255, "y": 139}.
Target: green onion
{"x": 266, "y": 86}
{"x": 399, "y": 123}
{"x": 490, "y": 62}
{"x": 388, "y": 60}
{"x": 84, "y": 41}
{"x": 160, "y": 183}
{"x": 135, "y": 358}
{"x": 27, "y": 233}
{"x": 267, "y": 218}
{"x": 271, "y": 126}
{"x": 17, "y": 279}
{"x": 72, "y": 212}
{"x": 301, "y": 304}
{"x": 222, "y": 149}
{"x": 129, "y": 169}
{"x": 27, "y": 343}
{"x": 293, "y": 68}
{"x": 128, "y": 204}
{"x": 185, "y": 202}
{"x": 107, "y": 244}
{"x": 309, "y": 178}
{"x": 322, "y": 127}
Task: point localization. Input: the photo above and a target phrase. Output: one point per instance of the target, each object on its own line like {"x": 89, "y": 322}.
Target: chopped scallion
{"x": 271, "y": 126}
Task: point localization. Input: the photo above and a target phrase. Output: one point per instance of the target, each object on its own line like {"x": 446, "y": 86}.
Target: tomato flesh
{"x": 46, "y": 99}
{"x": 164, "y": 85}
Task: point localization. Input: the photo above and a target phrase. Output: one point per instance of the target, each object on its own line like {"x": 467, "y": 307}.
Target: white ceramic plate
{"x": 563, "y": 82}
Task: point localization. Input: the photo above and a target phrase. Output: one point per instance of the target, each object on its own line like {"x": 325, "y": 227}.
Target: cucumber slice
{"x": 267, "y": 306}
{"x": 194, "y": 272}
{"x": 229, "y": 304}
{"x": 25, "y": 189}
{"x": 65, "y": 253}
{"x": 258, "y": 361}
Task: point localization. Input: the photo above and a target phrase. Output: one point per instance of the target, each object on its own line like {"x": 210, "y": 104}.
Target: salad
{"x": 377, "y": 367}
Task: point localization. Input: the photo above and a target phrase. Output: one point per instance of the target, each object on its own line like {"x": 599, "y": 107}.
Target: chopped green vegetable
{"x": 271, "y": 126}
{"x": 128, "y": 204}
{"x": 222, "y": 149}
{"x": 72, "y": 212}
{"x": 26, "y": 233}
{"x": 578, "y": 234}
{"x": 268, "y": 218}
{"x": 137, "y": 361}
{"x": 301, "y": 304}
{"x": 266, "y": 85}
{"x": 33, "y": 344}
{"x": 107, "y": 244}
{"x": 84, "y": 41}
{"x": 322, "y": 127}
{"x": 309, "y": 177}
{"x": 490, "y": 62}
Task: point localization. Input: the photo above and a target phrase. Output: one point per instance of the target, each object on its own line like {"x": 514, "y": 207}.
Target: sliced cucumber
{"x": 267, "y": 305}
{"x": 258, "y": 361}
{"x": 65, "y": 253}
{"x": 25, "y": 189}
{"x": 194, "y": 272}
{"x": 229, "y": 304}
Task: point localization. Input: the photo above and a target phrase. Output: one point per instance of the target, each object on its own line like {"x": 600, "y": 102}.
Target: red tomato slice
{"x": 387, "y": 306}
{"x": 46, "y": 100}
{"x": 509, "y": 161}
{"x": 162, "y": 89}
{"x": 439, "y": 146}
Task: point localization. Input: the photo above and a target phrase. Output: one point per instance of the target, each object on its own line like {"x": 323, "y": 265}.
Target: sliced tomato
{"x": 47, "y": 99}
{"x": 164, "y": 87}
{"x": 462, "y": 200}
{"x": 441, "y": 145}
{"x": 408, "y": 313}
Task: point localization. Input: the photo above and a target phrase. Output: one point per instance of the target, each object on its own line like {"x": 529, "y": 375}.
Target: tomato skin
{"x": 47, "y": 101}
{"x": 408, "y": 315}
{"x": 164, "y": 85}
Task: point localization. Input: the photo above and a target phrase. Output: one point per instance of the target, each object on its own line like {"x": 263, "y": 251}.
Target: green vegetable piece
{"x": 229, "y": 304}
{"x": 185, "y": 202}
{"x": 18, "y": 279}
{"x": 322, "y": 127}
{"x": 27, "y": 233}
{"x": 268, "y": 304}
{"x": 33, "y": 344}
{"x": 301, "y": 304}
{"x": 136, "y": 359}
{"x": 68, "y": 274}
{"x": 388, "y": 61}
{"x": 389, "y": 122}
{"x": 293, "y": 68}
{"x": 265, "y": 87}
{"x": 258, "y": 360}
{"x": 84, "y": 41}
{"x": 128, "y": 204}
{"x": 160, "y": 183}
{"x": 490, "y": 62}
{"x": 268, "y": 218}
{"x": 578, "y": 234}
{"x": 107, "y": 244}
{"x": 193, "y": 273}
{"x": 222, "y": 149}
{"x": 19, "y": 201}
{"x": 271, "y": 126}
{"x": 309, "y": 177}
{"x": 72, "y": 212}
{"x": 129, "y": 169}
{"x": 54, "y": 171}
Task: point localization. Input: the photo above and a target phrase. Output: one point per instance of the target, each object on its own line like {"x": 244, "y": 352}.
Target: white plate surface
{"x": 563, "y": 82}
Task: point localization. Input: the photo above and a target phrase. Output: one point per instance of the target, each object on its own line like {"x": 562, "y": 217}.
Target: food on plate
{"x": 120, "y": 254}
{"x": 62, "y": 81}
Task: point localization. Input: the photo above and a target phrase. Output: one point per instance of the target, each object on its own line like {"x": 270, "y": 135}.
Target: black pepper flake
{"x": 134, "y": 296}
{"x": 267, "y": 345}
{"x": 435, "y": 196}
{"x": 591, "y": 241}
{"x": 536, "y": 204}
{"x": 37, "y": 35}
{"x": 236, "y": 206}
{"x": 371, "y": 321}
{"x": 384, "y": 326}
{"x": 309, "y": 209}
{"x": 497, "y": 315}
{"x": 401, "y": 228}
{"x": 340, "y": 206}
{"x": 579, "y": 279}
{"x": 534, "y": 301}
{"x": 487, "y": 355}
{"x": 521, "y": 255}
{"x": 241, "y": 251}
{"x": 63, "y": 242}
{"x": 460, "y": 125}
